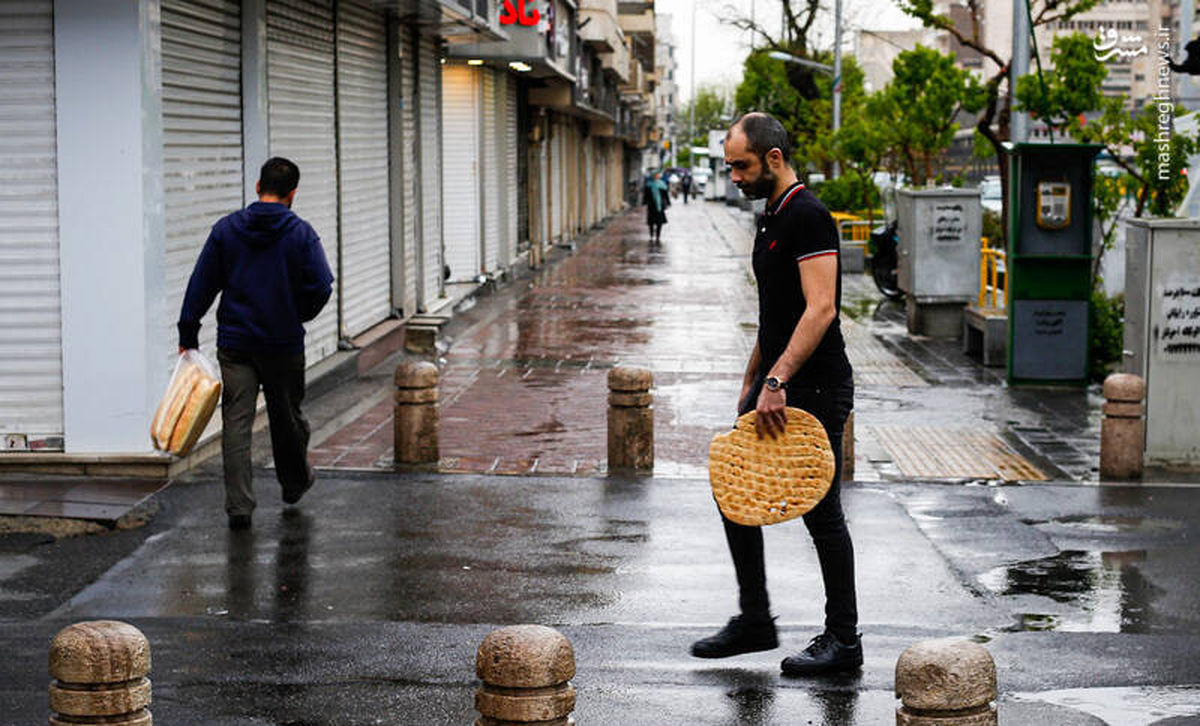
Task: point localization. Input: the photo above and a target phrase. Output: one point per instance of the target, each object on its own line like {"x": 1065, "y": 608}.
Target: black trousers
{"x": 826, "y": 522}
{"x": 281, "y": 377}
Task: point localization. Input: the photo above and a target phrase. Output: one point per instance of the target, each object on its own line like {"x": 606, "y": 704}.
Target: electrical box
{"x": 1049, "y": 262}
{"x": 1162, "y": 333}
{"x": 939, "y": 233}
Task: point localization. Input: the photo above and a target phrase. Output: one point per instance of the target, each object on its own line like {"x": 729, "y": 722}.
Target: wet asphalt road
{"x": 365, "y": 604}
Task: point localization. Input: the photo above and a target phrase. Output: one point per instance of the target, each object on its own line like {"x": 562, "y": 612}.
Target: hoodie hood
{"x": 263, "y": 224}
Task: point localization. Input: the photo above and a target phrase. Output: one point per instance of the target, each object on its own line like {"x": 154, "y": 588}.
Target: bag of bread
{"x": 187, "y": 405}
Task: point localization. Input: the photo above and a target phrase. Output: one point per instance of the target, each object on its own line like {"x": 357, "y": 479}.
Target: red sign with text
{"x": 518, "y": 14}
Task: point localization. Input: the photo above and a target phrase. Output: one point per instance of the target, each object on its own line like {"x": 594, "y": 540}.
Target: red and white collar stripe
{"x": 787, "y": 198}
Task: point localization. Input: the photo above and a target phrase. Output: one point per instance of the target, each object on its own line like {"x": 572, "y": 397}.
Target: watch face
{"x": 773, "y": 383}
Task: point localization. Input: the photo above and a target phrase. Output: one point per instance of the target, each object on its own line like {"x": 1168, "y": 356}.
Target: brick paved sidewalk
{"x": 524, "y": 390}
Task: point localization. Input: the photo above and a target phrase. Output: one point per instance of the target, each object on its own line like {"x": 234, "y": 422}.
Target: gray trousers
{"x": 281, "y": 378}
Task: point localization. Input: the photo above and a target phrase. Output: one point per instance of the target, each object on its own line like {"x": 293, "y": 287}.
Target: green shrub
{"x": 1107, "y": 320}
{"x": 993, "y": 229}
{"x": 849, "y": 191}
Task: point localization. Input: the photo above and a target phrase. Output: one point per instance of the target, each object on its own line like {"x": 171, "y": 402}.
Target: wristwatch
{"x": 774, "y": 383}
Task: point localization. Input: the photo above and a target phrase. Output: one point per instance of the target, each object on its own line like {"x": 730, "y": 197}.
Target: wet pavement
{"x": 365, "y": 604}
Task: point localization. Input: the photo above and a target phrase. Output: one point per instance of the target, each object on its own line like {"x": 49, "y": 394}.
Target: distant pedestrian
{"x": 799, "y": 360}
{"x": 657, "y": 197}
{"x": 271, "y": 271}
{"x": 685, "y": 185}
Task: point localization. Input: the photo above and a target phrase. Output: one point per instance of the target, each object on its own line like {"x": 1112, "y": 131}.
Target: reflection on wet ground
{"x": 1131, "y": 706}
{"x": 1106, "y": 591}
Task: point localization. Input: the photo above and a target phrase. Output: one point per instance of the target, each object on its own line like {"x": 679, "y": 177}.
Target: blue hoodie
{"x": 271, "y": 270}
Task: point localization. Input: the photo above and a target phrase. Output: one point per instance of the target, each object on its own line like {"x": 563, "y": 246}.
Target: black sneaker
{"x": 740, "y": 635}
{"x": 824, "y": 654}
{"x": 239, "y": 521}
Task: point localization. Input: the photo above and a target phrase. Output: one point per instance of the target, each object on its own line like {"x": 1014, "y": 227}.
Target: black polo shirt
{"x": 795, "y": 228}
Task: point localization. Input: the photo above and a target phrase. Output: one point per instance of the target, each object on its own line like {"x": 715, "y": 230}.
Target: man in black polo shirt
{"x": 799, "y": 360}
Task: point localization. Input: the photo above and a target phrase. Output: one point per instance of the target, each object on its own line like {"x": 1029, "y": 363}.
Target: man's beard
{"x": 762, "y": 187}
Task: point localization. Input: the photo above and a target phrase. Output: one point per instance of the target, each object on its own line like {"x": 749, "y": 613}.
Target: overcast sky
{"x": 721, "y": 48}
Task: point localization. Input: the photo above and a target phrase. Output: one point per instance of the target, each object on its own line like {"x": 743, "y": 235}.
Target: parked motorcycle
{"x": 884, "y": 247}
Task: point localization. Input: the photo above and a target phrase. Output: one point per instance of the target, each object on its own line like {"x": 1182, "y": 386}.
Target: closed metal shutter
{"x": 363, "y": 166}
{"x": 462, "y": 167}
{"x": 408, "y": 159}
{"x": 30, "y": 313}
{"x": 300, "y": 114}
{"x": 491, "y": 172}
{"x": 202, "y": 139}
{"x": 557, "y": 159}
{"x": 512, "y": 168}
{"x": 429, "y": 79}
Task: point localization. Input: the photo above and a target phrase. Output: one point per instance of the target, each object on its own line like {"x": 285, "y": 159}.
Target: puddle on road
{"x": 1128, "y": 706}
{"x": 1108, "y": 524}
{"x": 1105, "y": 591}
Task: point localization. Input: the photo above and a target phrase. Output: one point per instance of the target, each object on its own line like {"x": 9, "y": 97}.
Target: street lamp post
{"x": 835, "y": 70}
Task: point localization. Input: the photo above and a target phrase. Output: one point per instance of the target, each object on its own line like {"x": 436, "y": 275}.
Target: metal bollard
{"x": 416, "y": 413}
{"x": 99, "y": 669}
{"x": 946, "y": 682}
{"x": 1123, "y": 430}
{"x": 526, "y": 672}
{"x": 848, "y": 448}
{"x": 630, "y": 419}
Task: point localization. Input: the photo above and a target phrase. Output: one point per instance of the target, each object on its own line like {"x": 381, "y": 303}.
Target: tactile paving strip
{"x": 953, "y": 452}
{"x": 874, "y": 364}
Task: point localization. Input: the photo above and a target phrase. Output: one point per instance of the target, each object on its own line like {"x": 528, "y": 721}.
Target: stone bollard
{"x": 99, "y": 669}
{"x": 630, "y": 419}
{"x": 526, "y": 672}
{"x": 946, "y": 682}
{"x": 416, "y": 413}
{"x": 1123, "y": 430}
{"x": 848, "y": 448}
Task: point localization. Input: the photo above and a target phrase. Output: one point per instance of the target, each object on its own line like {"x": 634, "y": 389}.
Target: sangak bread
{"x": 766, "y": 481}
{"x": 173, "y": 403}
{"x": 199, "y": 409}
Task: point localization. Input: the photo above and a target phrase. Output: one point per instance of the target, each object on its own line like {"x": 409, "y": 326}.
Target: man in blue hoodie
{"x": 271, "y": 271}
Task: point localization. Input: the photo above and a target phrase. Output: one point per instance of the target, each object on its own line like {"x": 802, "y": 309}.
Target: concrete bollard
{"x": 946, "y": 682}
{"x": 848, "y": 448}
{"x": 630, "y": 419}
{"x": 416, "y": 413}
{"x": 99, "y": 669}
{"x": 526, "y": 672}
{"x": 1123, "y": 430}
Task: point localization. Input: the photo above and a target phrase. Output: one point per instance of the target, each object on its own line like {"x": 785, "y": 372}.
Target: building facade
{"x": 439, "y": 144}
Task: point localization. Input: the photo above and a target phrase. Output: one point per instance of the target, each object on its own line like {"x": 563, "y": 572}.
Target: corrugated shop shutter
{"x": 202, "y": 139}
{"x": 30, "y": 312}
{"x": 363, "y": 166}
{"x": 557, "y": 159}
{"x": 491, "y": 172}
{"x": 461, "y": 169}
{"x": 429, "y": 78}
{"x": 408, "y": 160}
{"x": 300, "y": 113}
{"x": 512, "y": 168}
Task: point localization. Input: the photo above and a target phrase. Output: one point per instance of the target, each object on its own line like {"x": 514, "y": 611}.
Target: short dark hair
{"x": 763, "y": 133}
{"x": 279, "y": 176}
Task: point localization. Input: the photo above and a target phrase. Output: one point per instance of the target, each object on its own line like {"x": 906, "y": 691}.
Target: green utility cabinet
{"x": 1049, "y": 265}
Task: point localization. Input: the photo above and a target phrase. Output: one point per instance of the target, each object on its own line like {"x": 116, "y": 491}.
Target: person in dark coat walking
{"x": 270, "y": 268}
{"x": 657, "y": 197}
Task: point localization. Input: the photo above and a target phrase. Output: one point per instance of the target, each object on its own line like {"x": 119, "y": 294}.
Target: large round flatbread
{"x": 767, "y": 481}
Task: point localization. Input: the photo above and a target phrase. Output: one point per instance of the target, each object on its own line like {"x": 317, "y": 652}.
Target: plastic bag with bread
{"x": 766, "y": 481}
{"x": 188, "y": 404}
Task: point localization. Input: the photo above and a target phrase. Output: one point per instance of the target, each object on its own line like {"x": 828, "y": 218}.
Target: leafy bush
{"x": 849, "y": 191}
{"x": 993, "y": 229}
{"x": 1107, "y": 321}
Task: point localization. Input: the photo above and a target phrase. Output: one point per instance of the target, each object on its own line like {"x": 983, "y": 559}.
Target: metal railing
{"x": 992, "y": 263}
{"x": 859, "y": 230}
